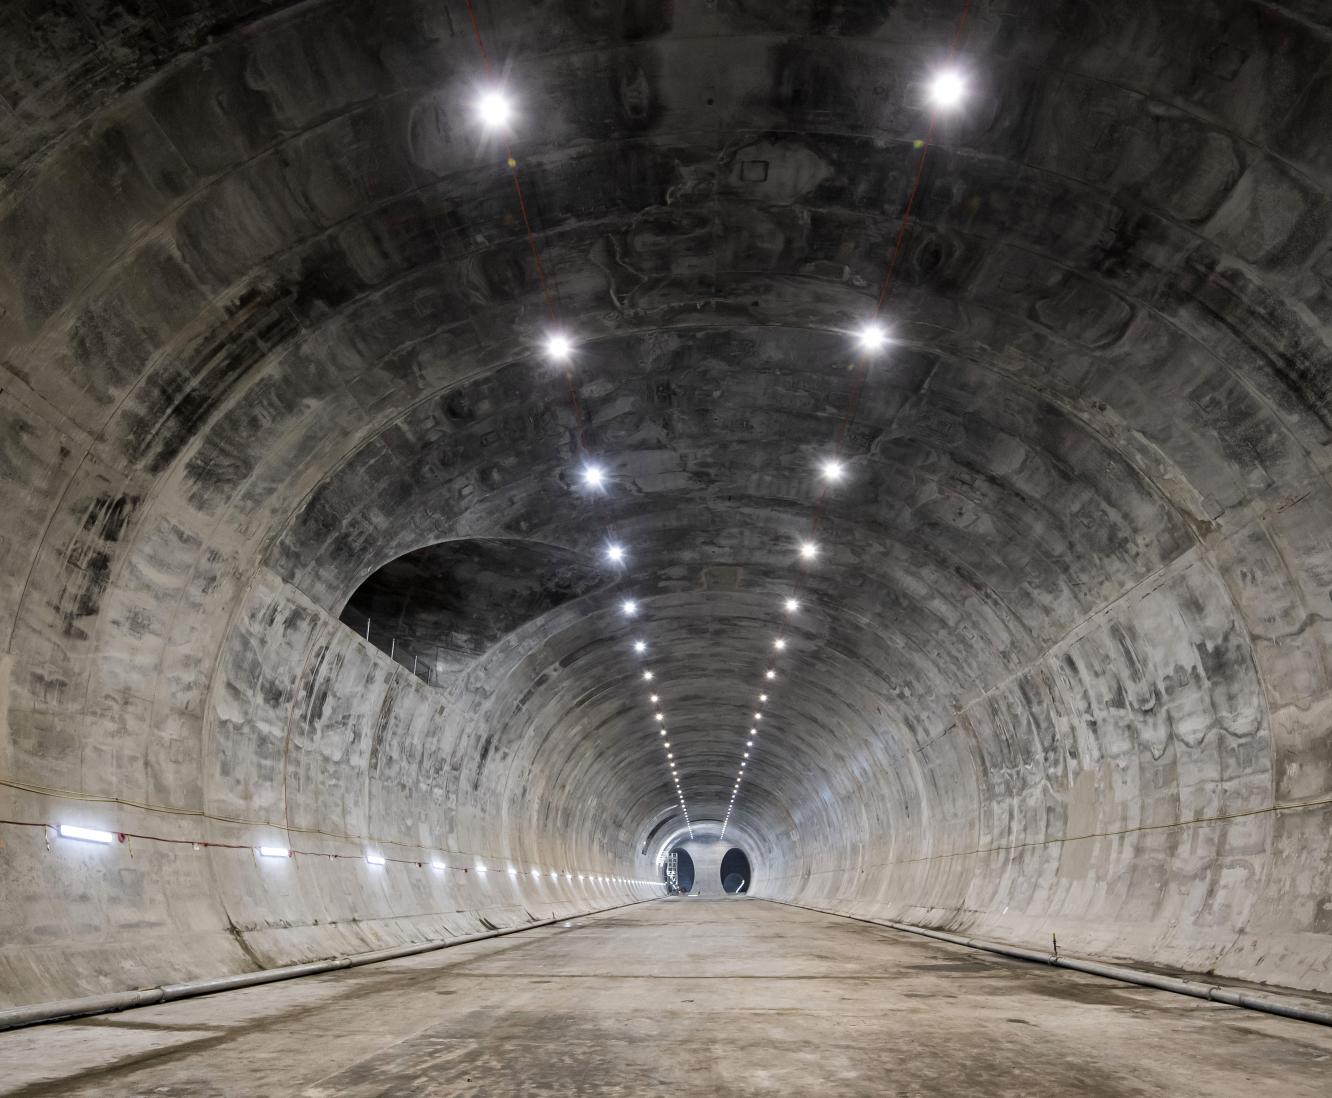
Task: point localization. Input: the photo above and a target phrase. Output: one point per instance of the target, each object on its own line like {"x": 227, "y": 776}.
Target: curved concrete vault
{"x": 269, "y": 322}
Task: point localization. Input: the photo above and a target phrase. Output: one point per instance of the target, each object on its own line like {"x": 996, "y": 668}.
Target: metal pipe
{"x": 1196, "y": 988}
{"x": 36, "y": 1013}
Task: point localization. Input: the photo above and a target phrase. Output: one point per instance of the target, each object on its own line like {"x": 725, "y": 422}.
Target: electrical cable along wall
{"x": 976, "y": 354}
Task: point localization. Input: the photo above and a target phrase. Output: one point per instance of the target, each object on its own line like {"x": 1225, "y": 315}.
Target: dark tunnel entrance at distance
{"x": 735, "y": 871}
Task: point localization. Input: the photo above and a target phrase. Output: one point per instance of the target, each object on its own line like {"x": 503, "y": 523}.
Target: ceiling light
{"x": 746, "y": 754}
{"x": 758, "y": 716}
{"x": 663, "y": 731}
{"x": 640, "y": 646}
{"x": 559, "y": 347}
{"x": 669, "y": 755}
{"x": 947, "y": 89}
{"x": 661, "y": 716}
{"x": 630, "y": 607}
{"x": 779, "y": 643}
{"x": 763, "y": 697}
{"x": 792, "y": 605}
{"x": 872, "y": 338}
{"x": 435, "y": 863}
{"x": 770, "y": 674}
{"x": 480, "y": 868}
{"x": 808, "y": 551}
{"x": 593, "y": 477}
{"x": 833, "y": 470}
{"x": 274, "y": 852}
{"x": 647, "y": 675}
{"x": 666, "y": 744}
{"x": 494, "y": 110}
{"x": 753, "y": 731}
{"x": 654, "y": 699}
{"x": 375, "y": 859}
{"x": 615, "y": 553}
{"x": 86, "y": 834}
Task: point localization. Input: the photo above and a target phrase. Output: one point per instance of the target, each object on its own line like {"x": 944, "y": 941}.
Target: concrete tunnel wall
{"x": 267, "y": 323}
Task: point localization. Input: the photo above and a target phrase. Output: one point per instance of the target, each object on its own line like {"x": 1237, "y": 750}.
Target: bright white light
{"x": 833, "y": 470}
{"x": 663, "y": 731}
{"x": 779, "y": 643}
{"x": 763, "y": 697}
{"x": 749, "y": 743}
{"x": 666, "y": 744}
{"x": 669, "y": 755}
{"x": 480, "y": 868}
{"x": 792, "y": 605}
{"x": 536, "y": 873}
{"x": 512, "y": 871}
{"x": 770, "y": 674}
{"x": 87, "y": 834}
{"x": 375, "y": 859}
{"x": 640, "y": 646}
{"x": 615, "y": 553}
{"x": 808, "y": 550}
{"x": 647, "y": 675}
{"x": 274, "y": 852}
{"x": 753, "y": 731}
{"x": 947, "y": 89}
{"x": 437, "y": 864}
{"x": 746, "y": 754}
{"x": 872, "y": 338}
{"x": 654, "y": 699}
{"x": 660, "y": 716}
{"x": 559, "y": 347}
{"x": 629, "y": 607}
{"x": 494, "y": 110}
{"x": 758, "y": 716}
{"x": 742, "y": 766}
{"x": 593, "y": 477}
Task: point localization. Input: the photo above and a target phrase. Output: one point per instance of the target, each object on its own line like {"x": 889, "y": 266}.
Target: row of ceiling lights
{"x": 495, "y": 110}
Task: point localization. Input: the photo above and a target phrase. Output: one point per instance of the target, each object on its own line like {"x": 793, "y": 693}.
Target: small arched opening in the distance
{"x": 735, "y": 871}
{"x": 684, "y": 868}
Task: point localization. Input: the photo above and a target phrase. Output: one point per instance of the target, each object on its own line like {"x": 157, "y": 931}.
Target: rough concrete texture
{"x": 268, "y": 322}
{"x": 729, "y": 996}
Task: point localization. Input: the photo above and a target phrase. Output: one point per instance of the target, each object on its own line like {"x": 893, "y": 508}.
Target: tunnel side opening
{"x": 735, "y": 871}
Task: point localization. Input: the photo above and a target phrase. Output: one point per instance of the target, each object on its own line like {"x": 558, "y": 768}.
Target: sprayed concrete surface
{"x": 699, "y": 997}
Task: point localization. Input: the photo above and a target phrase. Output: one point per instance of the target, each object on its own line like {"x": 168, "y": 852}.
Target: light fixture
{"x": 753, "y": 731}
{"x": 513, "y": 872}
{"x": 615, "y": 553}
{"x": 647, "y": 675}
{"x": 872, "y": 338}
{"x": 480, "y": 868}
{"x": 808, "y": 550}
{"x": 629, "y": 607}
{"x": 770, "y": 674}
{"x": 763, "y": 697}
{"x": 666, "y": 744}
{"x": 654, "y": 699}
{"x": 669, "y": 755}
{"x": 435, "y": 863}
{"x": 536, "y": 873}
{"x": 749, "y": 743}
{"x": 746, "y": 754}
{"x": 274, "y": 852}
{"x": 640, "y": 646}
{"x": 494, "y": 110}
{"x": 559, "y": 347}
{"x": 758, "y": 716}
{"x": 947, "y": 89}
{"x": 663, "y": 731}
{"x": 660, "y": 716}
{"x": 833, "y": 470}
{"x": 86, "y": 834}
{"x": 792, "y": 605}
{"x": 593, "y": 477}
{"x": 779, "y": 643}
{"x": 375, "y": 859}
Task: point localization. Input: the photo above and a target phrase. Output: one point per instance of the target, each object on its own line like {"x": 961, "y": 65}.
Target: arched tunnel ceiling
{"x": 269, "y": 279}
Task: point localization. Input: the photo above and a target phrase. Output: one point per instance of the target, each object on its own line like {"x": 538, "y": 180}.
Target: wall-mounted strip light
{"x": 86, "y": 834}
{"x": 274, "y": 852}
{"x": 375, "y": 859}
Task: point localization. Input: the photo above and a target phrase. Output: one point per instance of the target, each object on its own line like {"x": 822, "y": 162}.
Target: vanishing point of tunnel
{"x": 643, "y": 547}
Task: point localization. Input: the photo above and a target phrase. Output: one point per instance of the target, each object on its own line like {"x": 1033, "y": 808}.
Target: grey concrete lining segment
{"x": 730, "y": 996}
{"x": 270, "y": 357}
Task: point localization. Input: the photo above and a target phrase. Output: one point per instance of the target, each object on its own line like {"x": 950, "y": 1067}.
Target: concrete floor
{"x": 709, "y": 997}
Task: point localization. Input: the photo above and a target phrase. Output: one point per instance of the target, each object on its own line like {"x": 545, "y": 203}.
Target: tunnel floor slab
{"x": 732, "y": 996}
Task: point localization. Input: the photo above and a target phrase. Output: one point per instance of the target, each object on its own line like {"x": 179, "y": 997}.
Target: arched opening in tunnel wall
{"x": 735, "y": 872}
{"x": 684, "y": 869}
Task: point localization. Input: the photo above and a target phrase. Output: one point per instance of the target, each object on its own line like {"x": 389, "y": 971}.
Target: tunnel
{"x": 455, "y": 453}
